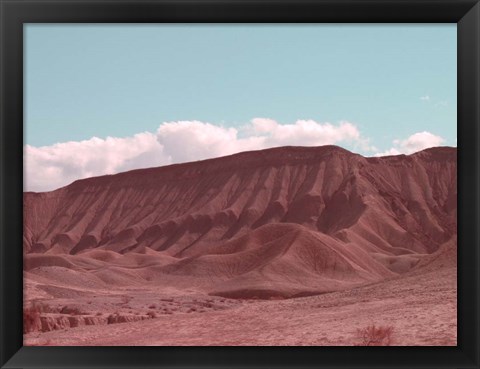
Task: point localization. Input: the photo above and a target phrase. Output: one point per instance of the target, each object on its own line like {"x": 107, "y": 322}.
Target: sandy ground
{"x": 421, "y": 310}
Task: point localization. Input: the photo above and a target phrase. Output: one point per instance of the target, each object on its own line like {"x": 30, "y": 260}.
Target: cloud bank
{"x": 416, "y": 142}
{"x": 50, "y": 167}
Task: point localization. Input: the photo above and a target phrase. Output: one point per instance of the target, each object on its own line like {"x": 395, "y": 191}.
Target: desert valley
{"x": 283, "y": 246}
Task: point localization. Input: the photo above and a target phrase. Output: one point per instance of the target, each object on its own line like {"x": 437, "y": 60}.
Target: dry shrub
{"x": 152, "y": 314}
{"x": 375, "y": 336}
{"x": 72, "y": 310}
{"x": 31, "y": 316}
{"x": 31, "y": 319}
{"x": 113, "y": 318}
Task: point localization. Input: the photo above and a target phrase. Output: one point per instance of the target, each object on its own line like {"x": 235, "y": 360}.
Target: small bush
{"x": 72, "y": 310}
{"x": 113, "y": 318}
{"x": 42, "y": 307}
{"x": 152, "y": 314}
{"x": 31, "y": 316}
{"x": 31, "y": 319}
{"x": 375, "y": 336}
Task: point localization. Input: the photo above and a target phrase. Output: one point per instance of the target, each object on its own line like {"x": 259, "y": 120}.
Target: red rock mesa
{"x": 276, "y": 223}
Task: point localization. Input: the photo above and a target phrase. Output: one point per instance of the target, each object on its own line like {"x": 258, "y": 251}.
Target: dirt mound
{"x": 444, "y": 257}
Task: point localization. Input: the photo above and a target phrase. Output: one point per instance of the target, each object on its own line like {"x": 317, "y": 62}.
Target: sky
{"x": 101, "y": 99}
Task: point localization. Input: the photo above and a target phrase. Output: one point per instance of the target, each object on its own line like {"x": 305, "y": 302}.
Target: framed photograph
{"x": 269, "y": 184}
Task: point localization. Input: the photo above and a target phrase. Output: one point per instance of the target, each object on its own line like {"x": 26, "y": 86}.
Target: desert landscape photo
{"x": 328, "y": 219}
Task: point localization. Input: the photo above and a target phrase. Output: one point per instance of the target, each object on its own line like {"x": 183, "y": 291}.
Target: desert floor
{"x": 420, "y": 308}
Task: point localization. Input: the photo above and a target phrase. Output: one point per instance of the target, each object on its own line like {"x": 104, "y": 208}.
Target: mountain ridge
{"x": 270, "y": 153}
{"x": 375, "y": 216}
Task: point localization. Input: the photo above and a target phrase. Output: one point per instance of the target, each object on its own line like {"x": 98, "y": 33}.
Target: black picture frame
{"x": 14, "y": 13}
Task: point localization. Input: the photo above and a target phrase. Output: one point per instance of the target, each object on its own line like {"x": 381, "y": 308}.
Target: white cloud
{"x": 425, "y": 98}
{"x": 50, "y": 167}
{"x": 304, "y": 132}
{"x": 193, "y": 140}
{"x": 416, "y": 142}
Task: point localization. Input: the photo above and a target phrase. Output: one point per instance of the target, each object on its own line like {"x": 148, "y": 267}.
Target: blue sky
{"x": 388, "y": 81}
